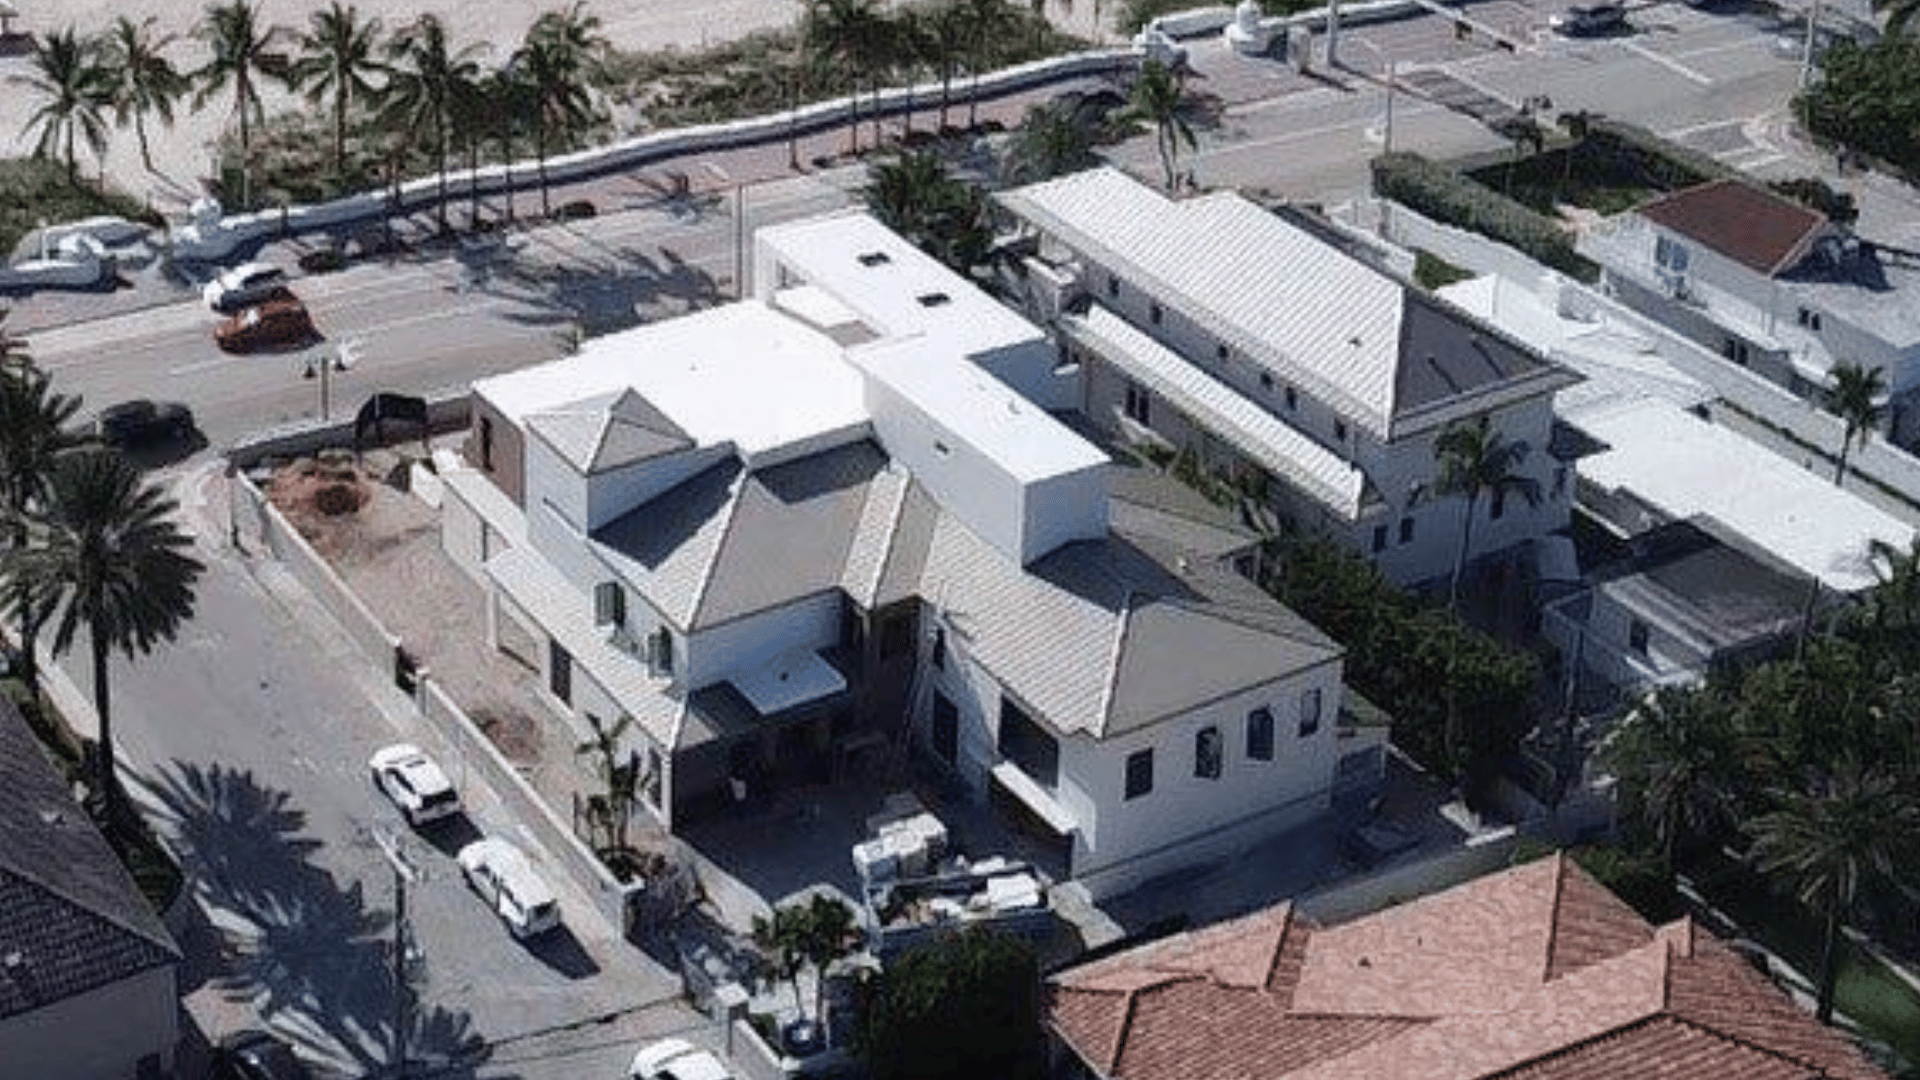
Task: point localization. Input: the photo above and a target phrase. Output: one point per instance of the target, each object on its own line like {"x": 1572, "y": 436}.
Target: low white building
{"x": 1770, "y": 286}
{"x": 1286, "y": 366}
{"x": 796, "y": 534}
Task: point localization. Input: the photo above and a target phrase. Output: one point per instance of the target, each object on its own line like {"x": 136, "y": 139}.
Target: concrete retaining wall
{"x": 612, "y": 899}
{"x": 234, "y": 232}
{"x": 1428, "y": 874}
{"x": 448, "y": 410}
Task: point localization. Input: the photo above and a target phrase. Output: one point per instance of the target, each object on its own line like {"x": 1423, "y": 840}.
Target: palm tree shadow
{"x": 672, "y": 194}
{"x": 302, "y": 947}
{"x": 615, "y": 295}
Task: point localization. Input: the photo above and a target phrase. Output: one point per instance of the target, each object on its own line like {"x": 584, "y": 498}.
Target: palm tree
{"x": 78, "y": 89}
{"x": 1475, "y": 461}
{"x": 1674, "y": 756}
{"x": 578, "y": 31}
{"x": 107, "y": 558}
{"x": 421, "y": 85}
{"x": 1854, "y": 396}
{"x": 1895, "y": 600}
{"x": 988, "y": 18}
{"x": 620, "y": 777}
{"x": 1900, "y": 14}
{"x": 915, "y": 196}
{"x": 13, "y": 350}
{"x": 1052, "y": 140}
{"x": 509, "y": 97}
{"x": 555, "y": 61}
{"x": 1158, "y": 99}
{"x": 140, "y": 78}
{"x": 1858, "y": 824}
{"x": 338, "y": 52}
{"x": 948, "y": 30}
{"x": 844, "y": 36}
{"x": 239, "y": 46}
{"x": 33, "y": 428}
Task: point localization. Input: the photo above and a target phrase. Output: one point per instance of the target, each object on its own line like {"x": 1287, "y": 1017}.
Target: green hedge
{"x": 1446, "y": 196}
{"x": 1662, "y": 164}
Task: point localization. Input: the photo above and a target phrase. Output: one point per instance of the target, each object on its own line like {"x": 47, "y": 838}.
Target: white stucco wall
{"x": 614, "y": 492}
{"x": 99, "y": 1035}
{"x": 714, "y": 653}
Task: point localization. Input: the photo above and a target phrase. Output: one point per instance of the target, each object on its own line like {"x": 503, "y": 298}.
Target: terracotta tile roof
{"x": 1536, "y": 972}
{"x": 1755, "y": 228}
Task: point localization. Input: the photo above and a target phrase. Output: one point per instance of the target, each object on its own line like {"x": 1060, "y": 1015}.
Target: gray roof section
{"x": 1145, "y": 502}
{"x": 1108, "y": 636}
{"x": 1448, "y": 357}
{"x": 67, "y": 906}
{"x": 729, "y": 543}
{"x": 608, "y": 431}
{"x": 1292, "y": 303}
{"x": 1712, "y": 590}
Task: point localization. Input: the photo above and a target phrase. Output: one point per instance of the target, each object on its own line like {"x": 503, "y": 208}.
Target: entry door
{"x": 559, "y": 671}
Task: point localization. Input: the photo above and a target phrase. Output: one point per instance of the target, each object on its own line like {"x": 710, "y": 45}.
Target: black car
{"x": 1590, "y": 21}
{"x": 256, "y": 1055}
{"x": 142, "y": 422}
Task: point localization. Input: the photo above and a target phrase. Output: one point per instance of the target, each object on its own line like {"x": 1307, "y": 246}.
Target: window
{"x": 486, "y": 443}
{"x": 1810, "y": 319}
{"x": 1266, "y": 380}
{"x": 1309, "y": 712}
{"x": 1024, "y": 743}
{"x": 1498, "y": 507}
{"x": 660, "y": 651}
{"x": 1340, "y": 431}
{"x": 1735, "y": 350}
{"x": 1406, "y": 530}
{"x": 1379, "y": 538}
{"x": 650, "y": 780}
{"x": 609, "y": 604}
{"x": 1220, "y": 350}
{"x": 559, "y": 671}
{"x": 1113, "y": 286}
{"x": 946, "y": 728}
{"x": 939, "y": 657}
{"x": 1154, "y": 314}
{"x": 1139, "y": 773}
{"x": 1638, "y": 635}
{"x": 1208, "y": 750}
{"x": 1139, "y": 404}
{"x": 1669, "y": 255}
{"x": 1260, "y": 734}
{"x": 1559, "y": 480}
{"x": 1293, "y": 398}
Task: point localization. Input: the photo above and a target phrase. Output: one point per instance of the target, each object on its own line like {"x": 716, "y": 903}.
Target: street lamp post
{"x": 1390, "y": 67}
{"x": 403, "y": 875}
{"x": 739, "y": 228}
{"x": 345, "y": 355}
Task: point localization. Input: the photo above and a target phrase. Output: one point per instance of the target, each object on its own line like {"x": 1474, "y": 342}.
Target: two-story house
{"x": 1771, "y": 286}
{"x": 1286, "y": 366}
{"x": 797, "y": 535}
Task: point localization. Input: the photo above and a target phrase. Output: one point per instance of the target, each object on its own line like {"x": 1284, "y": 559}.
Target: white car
{"x": 677, "y": 1059}
{"x": 500, "y": 873}
{"x": 243, "y": 286}
{"x": 406, "y": 775}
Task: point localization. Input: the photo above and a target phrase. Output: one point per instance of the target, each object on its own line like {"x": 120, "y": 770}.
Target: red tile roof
{"x": 1755, "y": 228}
{"x": 1537, "y": 972}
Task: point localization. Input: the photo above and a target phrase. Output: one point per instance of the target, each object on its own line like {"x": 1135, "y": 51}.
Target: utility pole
{"x": 403, "y": 874}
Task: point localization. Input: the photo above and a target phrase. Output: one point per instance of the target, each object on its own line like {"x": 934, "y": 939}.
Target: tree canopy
{"x": 963, "y": 1007}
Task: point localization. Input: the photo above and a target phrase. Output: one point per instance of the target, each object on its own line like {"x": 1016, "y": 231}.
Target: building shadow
{"x": 308, "y": 953}
{"x": 561, "y": 951}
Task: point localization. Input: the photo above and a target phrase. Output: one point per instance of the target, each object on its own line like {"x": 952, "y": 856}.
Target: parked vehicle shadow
{"x": 310, "y": 954}
{"x": 561, "y": 951}
{"x": 449, "y": 834}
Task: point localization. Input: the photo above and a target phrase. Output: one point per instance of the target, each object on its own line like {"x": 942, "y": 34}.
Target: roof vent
{"x": 1354, "y": 341}
{"x": 934, "y": 299}
{"x": 51, "y": 817}
{"x": 875, "y": 258}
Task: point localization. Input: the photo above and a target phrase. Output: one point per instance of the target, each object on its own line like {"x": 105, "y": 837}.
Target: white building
{"x": 792, "y": 535}
{"x": 1286, "y": 366}
{"x": 1770, "y": 286}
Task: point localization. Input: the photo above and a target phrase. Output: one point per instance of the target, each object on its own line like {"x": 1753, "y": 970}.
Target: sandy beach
{"x": 182, "y": 154}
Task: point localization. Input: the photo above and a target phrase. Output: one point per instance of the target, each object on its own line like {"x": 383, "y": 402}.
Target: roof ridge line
{"x": 1110, "y": 685}
{"x": 894, "y": 517}
{"x": 1553, "y": 913}
{"x": 1225, "y": 613}
{"x": 738, "y": 488}
{"x": 1575, "y": 1046}
{"x": 1815, "y": 1067}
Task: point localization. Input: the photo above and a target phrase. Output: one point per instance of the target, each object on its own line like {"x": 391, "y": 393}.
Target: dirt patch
{"x": 323, "y": 497}
{"x": 514, "y": 734}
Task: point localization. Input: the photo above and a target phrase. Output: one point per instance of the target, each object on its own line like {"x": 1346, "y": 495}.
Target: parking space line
{"x": 1667, "y": 62}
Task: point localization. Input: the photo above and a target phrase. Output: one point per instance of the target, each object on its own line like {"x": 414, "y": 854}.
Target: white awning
{"x": 787, "y": 681}
{"x": 1035, "y": 798}
{"x": 1290, "y": 456}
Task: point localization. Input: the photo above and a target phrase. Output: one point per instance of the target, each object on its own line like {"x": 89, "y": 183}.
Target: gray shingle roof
{"x": 608, "y": 431}
{"x": 68, "y": 910}
{"x": 1111, "y": 635}
{"x": 729, "y": 543}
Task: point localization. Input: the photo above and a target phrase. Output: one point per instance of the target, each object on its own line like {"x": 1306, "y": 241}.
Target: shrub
{"x": 1444, "y": 195}
{"x": 33, "y": 190}
{"x": 1434, "y": 272}
{"x": 1661, "y": 164}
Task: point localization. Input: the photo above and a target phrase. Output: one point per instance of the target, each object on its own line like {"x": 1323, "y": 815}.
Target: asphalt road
{"x": 248, "y": 737}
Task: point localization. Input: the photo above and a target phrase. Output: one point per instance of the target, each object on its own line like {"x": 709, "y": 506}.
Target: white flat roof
{"x": 980, "y": 410}
{"x": 695, "y": 368}
{"x": 896, "y": 288}
{"x": 788, "y": 680}
{"x": 1619, "y": 356}
{"x": 1685, "y": 466}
